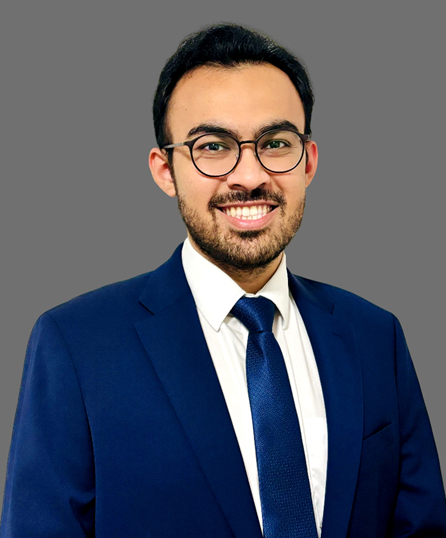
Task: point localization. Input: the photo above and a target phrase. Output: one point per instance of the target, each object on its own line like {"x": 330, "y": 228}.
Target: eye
{"x": 275, "y": 144}
{"x": 213, "y": 146}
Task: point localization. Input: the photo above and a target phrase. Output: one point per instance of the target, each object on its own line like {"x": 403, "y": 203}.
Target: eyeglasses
{"x": 217, "y": 154}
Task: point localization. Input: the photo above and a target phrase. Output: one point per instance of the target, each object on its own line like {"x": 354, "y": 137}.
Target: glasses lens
{"x": 280, "y": 151}
{"x": 215, "y": 154}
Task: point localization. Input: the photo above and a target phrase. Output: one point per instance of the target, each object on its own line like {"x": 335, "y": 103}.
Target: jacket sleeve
{"x": 50, "y": 489}
{"x": 420, "y": 510}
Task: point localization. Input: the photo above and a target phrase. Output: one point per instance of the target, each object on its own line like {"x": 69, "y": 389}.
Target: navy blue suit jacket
{"x": 122, "y": 429}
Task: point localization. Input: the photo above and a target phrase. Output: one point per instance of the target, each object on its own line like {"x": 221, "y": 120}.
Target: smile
{"x": 245, "y": 212}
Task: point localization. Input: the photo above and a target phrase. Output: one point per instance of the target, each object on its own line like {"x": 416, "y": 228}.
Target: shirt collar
{"x": 215, "y": 293}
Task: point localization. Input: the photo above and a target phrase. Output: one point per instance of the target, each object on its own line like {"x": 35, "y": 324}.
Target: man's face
{"x": 246, "y": 101}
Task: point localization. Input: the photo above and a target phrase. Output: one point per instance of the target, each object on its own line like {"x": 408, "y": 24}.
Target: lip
{"x": 248, "y": 224}
{"x": 246, "y": 204}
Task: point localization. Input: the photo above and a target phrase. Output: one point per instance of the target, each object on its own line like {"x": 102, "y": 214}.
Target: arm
{"x": 421, "y": 507}
{"x": 50, "y": 489}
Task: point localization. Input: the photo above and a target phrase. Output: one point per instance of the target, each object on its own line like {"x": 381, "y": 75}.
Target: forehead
{"x": 242, "y": 98}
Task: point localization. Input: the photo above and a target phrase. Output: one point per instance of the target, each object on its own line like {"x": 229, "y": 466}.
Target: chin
{"x": 250, "y": 250}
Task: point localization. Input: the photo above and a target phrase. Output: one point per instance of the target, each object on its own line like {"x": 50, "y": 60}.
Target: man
{"x": 220, "y": 395}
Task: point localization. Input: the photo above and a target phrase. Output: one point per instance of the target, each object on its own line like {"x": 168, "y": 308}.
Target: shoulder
{"x": 375, "y": 331}
{"x": 110, "y": 312}
{"x": 346, "y": 305}
{"x": 103, "y": 309}
{"x": 342, "y": 297}
{"x": 106, "y": 296}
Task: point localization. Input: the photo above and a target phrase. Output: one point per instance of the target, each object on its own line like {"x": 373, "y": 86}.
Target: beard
{"x": 241, "y": 251}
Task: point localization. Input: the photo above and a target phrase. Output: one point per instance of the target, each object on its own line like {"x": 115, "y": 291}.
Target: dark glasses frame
{"x": 190, "y": 144}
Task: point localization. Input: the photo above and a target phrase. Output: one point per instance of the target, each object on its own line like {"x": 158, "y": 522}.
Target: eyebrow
{"x": 204, "y": 128}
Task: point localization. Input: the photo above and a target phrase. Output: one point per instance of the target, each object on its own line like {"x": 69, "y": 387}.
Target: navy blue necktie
{"x": 287, "y": 508}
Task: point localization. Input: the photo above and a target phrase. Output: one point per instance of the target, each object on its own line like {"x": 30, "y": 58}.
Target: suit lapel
{"x": 334, "y": 347}
{"x": 174, "y": 341}
{"x": 175, "y": 344}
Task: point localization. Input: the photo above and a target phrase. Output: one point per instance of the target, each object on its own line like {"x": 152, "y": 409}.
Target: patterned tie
{"x": 285, "y": 494}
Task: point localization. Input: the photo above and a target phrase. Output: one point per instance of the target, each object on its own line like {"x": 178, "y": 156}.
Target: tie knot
{"x": 256, "y": 313}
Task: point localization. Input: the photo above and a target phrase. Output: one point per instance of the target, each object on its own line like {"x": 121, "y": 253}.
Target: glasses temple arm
{"x": 170, "y": 146}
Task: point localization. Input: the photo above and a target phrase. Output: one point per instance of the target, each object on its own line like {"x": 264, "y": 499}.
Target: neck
{"x": 250, "y": 280}
{"x": 253, "y": 280}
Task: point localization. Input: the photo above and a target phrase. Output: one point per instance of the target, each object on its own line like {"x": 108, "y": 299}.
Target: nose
{"x": 249, "y": 174}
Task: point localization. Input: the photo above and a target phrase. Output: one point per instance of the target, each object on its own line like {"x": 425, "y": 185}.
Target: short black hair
{"x": 226, "y": 45}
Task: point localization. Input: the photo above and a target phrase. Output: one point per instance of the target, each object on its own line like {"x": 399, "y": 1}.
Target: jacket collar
{"x": 166, "y": 285}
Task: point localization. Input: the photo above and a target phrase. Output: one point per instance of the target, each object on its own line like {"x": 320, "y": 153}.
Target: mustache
{"x": 243, "y": 197}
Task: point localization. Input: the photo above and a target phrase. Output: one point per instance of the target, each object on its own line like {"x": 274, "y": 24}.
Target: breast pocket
{"x": 378, "y": 445}
{"x": 377, "y": 484}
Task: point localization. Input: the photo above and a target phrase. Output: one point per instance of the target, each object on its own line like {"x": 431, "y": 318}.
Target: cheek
{"x": 195, "y": 194}
{"x": 294, "y": 189}
{"x": 195, "y": 190}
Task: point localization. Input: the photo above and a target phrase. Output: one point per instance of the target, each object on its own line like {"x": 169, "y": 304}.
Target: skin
{"x": 245, "y": 99}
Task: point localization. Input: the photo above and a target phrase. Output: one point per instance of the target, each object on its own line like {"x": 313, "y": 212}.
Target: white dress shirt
{"x": 215, "y": 293}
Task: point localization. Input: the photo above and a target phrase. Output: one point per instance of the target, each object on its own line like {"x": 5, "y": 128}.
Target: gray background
{"x": 80, "y": 210}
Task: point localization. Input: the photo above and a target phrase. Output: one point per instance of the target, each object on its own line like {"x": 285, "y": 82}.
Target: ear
{"x": 311, "y": 165}
{"x": 159, "y": 166}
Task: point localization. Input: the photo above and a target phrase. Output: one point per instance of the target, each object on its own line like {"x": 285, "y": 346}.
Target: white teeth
{"x": 248, "y": 212}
